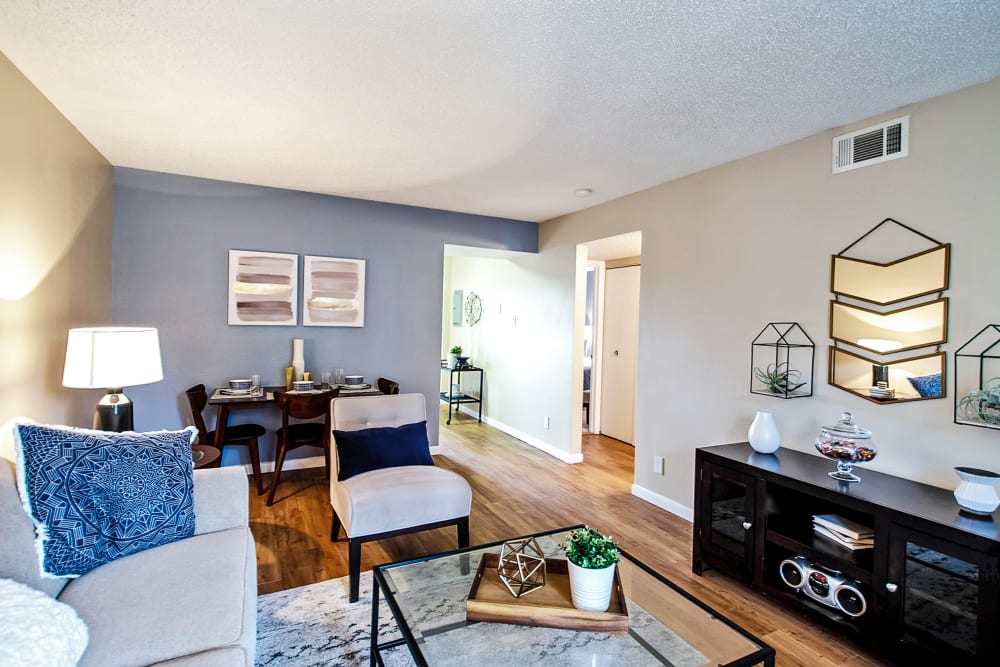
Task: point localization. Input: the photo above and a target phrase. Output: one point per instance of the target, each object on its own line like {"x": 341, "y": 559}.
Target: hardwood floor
{"x": 517, "y": 490}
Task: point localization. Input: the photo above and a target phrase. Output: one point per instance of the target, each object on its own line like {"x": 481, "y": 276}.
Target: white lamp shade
{"x": 109, "y": 357}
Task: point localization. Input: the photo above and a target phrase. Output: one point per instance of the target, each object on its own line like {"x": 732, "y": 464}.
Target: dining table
{"x": 227, "y": 402}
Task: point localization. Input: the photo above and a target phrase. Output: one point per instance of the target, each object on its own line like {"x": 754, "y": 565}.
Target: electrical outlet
{"x": 545, "y": 423}
{"x": 658, "y": 465}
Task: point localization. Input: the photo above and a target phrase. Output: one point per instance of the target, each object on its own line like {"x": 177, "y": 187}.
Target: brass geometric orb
{"x": 522, "y": 566}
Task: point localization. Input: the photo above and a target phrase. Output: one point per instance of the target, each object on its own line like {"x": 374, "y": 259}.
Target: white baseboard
{"x": 663, "y": 502}
{"x": 290, "y": 464}
{"x": 541, "y": 445}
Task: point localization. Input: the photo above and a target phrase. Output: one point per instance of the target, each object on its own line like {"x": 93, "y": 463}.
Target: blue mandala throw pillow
{"x": 927, "y": 385}
{"x": 96, "y": 496}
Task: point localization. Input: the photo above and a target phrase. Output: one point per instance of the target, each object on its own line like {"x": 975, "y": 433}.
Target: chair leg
{"x": 279, "y": 461}
{"x": 354, "y": 567}
{"x": 335, "y": 527}
{"x": 255, "y": 464}
{"x": 463, "y": 532}
{"x": 326, "y": 457}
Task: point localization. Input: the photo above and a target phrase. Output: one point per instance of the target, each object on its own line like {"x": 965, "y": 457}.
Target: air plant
{"x": 982, "y": 404}
{"x": 779, "y": 378}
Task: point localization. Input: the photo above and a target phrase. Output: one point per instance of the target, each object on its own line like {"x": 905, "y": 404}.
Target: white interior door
{"x": 618, "y": 352}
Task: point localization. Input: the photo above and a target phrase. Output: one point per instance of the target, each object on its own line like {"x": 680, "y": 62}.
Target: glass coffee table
{"x": 667, "y": 626}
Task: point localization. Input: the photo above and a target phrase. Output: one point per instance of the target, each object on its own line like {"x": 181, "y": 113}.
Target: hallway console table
{"x": 455, "y": 379}
{"x": 930, "y": 586}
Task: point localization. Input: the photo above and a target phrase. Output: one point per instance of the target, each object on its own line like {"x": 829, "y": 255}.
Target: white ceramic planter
{"x": 591, "y": 589}
{"x": 977, "y": 492}
{"x": 763, "y": 435}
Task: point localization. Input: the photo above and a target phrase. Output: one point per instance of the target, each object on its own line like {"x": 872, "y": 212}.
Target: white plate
{"x": 235, "y": 392}
{"x": 355, "y": 386}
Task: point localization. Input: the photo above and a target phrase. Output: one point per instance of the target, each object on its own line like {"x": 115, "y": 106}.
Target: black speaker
{"x": 850, "y": 600}
{"x": 792, "y": 573}
{"x": 823, "y": 584}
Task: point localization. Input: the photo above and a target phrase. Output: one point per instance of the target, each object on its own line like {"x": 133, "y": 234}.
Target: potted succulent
{"x": 592, "y": 558}
{"x": 982, "y": 405}
{"x": 453, "y": 355}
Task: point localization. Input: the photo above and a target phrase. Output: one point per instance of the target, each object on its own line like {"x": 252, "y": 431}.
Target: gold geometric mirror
{"x": 913, "y": 379}
{"x": 877, "y": 371}
{"x": 884, "y": 283}
{"x": 890, "y": 331}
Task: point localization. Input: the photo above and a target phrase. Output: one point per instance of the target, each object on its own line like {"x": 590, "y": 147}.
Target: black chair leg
{"x": 354, "y": 567}
{"x": 254, "y": 448}
{"x": 463, "y": 532}
{"x": 335, "y": 528}
{"x": 278, "y": 463}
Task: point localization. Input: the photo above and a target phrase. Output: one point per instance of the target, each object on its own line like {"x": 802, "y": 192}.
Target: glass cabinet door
{"x": 943, "y": 599}
{"x": 728, "y": 517}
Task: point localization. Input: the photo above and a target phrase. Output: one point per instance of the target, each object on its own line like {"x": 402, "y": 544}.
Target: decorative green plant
{"x": 982, "y": 404}
{"x": 779, "y": 378}
{"x": 587, "y": 548}
{"x": 456, "y": 350}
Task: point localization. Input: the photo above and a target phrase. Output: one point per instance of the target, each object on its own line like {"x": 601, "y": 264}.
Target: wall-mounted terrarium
{"x": 782, "y": 357}
{"x": 882, "y": 316}
{"x": 977, "y": 379}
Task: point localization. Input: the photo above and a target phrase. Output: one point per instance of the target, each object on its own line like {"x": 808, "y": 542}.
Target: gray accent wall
{"x": 172, "y": 235}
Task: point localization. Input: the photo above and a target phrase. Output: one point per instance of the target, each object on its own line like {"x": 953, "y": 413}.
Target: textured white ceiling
{"x": 500, "y": 107}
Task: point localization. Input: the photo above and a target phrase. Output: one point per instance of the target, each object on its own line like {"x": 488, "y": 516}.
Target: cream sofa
{"x": 191, "y": 602}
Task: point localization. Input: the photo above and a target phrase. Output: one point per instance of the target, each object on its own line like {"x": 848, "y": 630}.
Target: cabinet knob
{"x": 892, "y": 588}
{"x": 747, "y": 525}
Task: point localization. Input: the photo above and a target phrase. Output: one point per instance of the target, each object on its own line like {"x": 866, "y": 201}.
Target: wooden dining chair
{"x": 302, "y": 433}
{"x": 387, "y": 386}
{"x": 243, "y": 435}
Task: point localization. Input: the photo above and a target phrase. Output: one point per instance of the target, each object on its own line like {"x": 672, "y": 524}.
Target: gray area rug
{"x": 316, "y": 625}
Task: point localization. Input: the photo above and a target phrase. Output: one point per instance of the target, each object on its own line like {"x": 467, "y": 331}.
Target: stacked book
{"x": 844, "y": 532}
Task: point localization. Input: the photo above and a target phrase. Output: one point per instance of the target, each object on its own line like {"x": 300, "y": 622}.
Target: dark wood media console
{"x": 930, "y": 585}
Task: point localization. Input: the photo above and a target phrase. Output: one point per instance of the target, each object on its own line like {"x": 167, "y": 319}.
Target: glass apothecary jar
{"x": 846, "y": 443}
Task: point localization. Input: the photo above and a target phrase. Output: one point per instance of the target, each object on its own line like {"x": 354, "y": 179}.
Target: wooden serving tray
{"x": 549, "y": 607}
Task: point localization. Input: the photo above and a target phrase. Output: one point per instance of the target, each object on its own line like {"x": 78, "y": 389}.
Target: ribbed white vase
{"x": 763, "y": 435}
{"x": 591, "y": 589}
{"x": 298, "y": 358}
{"x": 977, "y": 491}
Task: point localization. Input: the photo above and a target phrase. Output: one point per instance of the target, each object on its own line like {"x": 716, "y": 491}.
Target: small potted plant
{"x": 592, "y": 558}
{"x": 453, "y": 355}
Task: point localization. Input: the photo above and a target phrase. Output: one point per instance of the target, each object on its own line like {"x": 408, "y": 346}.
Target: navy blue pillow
{"x": 96, "y": 496}
{"x": 384, "y": 447}
{"x": 927, "y": 385}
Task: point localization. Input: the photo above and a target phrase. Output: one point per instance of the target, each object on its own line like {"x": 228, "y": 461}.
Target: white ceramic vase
{"x": 977, "y": 491}
{"x": 763, "y": 434}
{"x": 591, "y": 589}
{"x": 298, "y": 358}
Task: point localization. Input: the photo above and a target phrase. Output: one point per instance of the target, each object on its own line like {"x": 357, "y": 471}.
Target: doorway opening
{"x": 609, "y": 324}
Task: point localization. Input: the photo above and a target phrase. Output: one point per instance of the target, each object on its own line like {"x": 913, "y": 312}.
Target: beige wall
{"x": 521, "y": 347}
{"x": 56, "y": 202}
{"x": 729, "y": 249}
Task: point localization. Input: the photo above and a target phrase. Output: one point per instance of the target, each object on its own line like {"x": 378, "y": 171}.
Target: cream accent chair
{"x": 391, "y": 501}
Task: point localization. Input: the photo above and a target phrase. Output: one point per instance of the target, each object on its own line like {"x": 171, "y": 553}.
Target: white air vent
{"x": 878, "y": 143}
